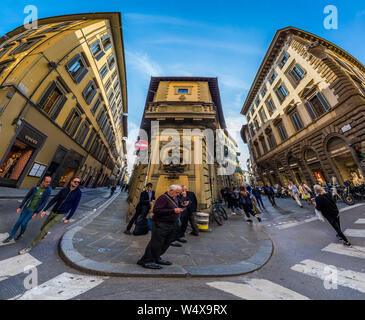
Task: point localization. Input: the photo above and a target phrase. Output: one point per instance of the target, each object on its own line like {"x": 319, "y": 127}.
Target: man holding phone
{"x": 166, "y": 213}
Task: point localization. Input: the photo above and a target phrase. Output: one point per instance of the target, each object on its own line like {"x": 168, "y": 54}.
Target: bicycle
{"x": 218, "y": 213}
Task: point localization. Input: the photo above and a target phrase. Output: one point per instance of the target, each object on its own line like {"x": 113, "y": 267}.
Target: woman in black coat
{"x": 327, "y": 206}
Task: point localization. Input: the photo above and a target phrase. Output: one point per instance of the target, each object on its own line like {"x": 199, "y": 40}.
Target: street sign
{"x": 346, "y": 128}
{"x": 141, "y": 145}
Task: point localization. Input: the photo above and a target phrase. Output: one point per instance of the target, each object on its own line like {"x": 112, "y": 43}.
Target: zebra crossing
{"x": 263, "y": 289}
{"x": 64, "y": 286}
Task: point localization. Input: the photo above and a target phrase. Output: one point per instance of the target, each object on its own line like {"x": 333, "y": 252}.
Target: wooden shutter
{"x": 323, "y": 101}
{"x": 45, "y": 96}
{"x": 56, "y": 111}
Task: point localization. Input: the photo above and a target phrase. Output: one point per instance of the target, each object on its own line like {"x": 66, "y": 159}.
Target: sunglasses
{"x": 75, "y": 181}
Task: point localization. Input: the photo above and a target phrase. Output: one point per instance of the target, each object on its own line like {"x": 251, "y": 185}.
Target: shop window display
{"x": 16, "y": 160}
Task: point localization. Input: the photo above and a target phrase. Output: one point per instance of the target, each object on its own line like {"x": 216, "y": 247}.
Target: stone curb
{"x": 74, "y": 259}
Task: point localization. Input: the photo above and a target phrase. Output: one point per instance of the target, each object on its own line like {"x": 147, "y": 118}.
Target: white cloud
{"x": 143, "y": 64}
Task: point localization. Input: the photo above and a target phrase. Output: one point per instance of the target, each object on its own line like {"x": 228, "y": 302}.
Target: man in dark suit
{"x": 188, "y": 215}
{"x": 146, "y": 200}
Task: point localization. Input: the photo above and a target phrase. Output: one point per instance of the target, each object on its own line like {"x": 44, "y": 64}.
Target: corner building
{"x": 181, "y": 103}
{"x": 63, "y": 101}
{"x": 305, "y": 112}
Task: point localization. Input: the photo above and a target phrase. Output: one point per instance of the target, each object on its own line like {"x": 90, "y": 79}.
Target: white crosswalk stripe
{"x": 351, "y": 207}
{"x": 257, "y": 289}
{"x": 338, "y": 248}
{"x": 63, "y": 287}
{"x": 15, "y": 265}
{"x": 3, "y": 236}
{"x": 346, "y": 278}
{"x": 294, "y": 224}
{"x": 360, "y": 221}
{"x": 360, "y": 233}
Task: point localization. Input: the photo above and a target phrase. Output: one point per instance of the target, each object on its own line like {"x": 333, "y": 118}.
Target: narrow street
{"x": 304, "y": 250}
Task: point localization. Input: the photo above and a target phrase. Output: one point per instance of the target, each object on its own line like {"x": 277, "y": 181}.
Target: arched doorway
{"x": 343, "y": 160}
{"x": 315, "y": 168}
{"x": 283, "y": 174}
{"x": 295, "y": 169}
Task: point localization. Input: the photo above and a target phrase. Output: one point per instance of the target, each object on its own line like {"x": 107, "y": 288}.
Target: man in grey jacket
{"x": 33, "y": 203}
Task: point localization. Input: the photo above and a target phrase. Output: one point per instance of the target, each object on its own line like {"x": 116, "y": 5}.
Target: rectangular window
{"x": 273, "y": 77}
{"x": 258, "y": 150}
{"x": 5, "y": 49}
{"x": 297, "y": 73}
{"x": 297, "y": 122}
{"x": 96, "y": 50}
{"x": 256, "y": 123}
{"x": 107, "y": 42}
{"x": 72, "y": 122}
{"x": 103, "y": 71}
{"x": 100, "y": 115}
{"x": 53, "y": 100}
{"x": 82, "y": 133}
{"x": 252, "y": 130}
{"x": 317, "y": 106}
{"x": 183, "y": 91}
{"x": 116, "y": 85}
{"x": 108, "y": 84}
{"x": 270, "y": 105}
{"x": 264, "y": 146}
{"x": 281, "y": 92}
{"x": 283, "y": 60}
{"x": 111, "y": 62}
{"x": 96, "y": 105}
{"x": 114, "y": 74}
{"x": 257, "y": 102}
{"x": 5, "y": 64}
{"x": 77, "y": 68}
{"x": 117, "y": 95}
{"x": 89, "y": 92}
{"x": 24, "y": 46}
{"x": 282, "y": 132}
{"x": 55, "y": 28}
{"x": 110, "y": 95}
{"x": 271, "y": 140}
{"x": 262, "y": 115}
{"x": 263, "y": 92}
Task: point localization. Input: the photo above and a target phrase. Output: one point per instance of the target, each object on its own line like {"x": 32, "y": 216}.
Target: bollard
{"x": 202, "y": 221}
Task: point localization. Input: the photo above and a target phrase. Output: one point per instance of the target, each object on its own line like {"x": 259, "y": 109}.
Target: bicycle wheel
{"x": 223, "y": 213}
{"x": 217, "y": 217}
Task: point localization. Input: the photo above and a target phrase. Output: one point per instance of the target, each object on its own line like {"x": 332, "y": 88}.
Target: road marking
{"x": 338, "y": 248}
{"x": 355, "y": 233}
{"x": 63, "y": 287}
{"x": 15, "y": 265}
{"x": 346, "y": 278}
{"x": 360, "y": 221}
{"x": 257, "y": 289}
{"x": 294, "y": 224}
{"x": 93, "y": 202}
{"x": 352, "y": 207}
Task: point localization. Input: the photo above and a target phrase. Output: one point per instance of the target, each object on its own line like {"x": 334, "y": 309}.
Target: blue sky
{"x": 225, "y": 39}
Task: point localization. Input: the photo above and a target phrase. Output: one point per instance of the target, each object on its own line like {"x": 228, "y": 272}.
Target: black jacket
{"x": 144, "y": 199}
{"x": 193, "y": 202}
{"x": 327, "y": 206}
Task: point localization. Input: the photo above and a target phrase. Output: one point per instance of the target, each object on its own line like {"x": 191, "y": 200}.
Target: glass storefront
{"x": 16, "y": 160}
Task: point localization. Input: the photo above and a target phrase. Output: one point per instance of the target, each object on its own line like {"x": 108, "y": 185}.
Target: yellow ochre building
{"x": 63, "y": 101}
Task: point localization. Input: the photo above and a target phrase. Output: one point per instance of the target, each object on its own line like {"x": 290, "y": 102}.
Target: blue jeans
{"x": 22, "y": 222}
{"x": 259, "y": 202}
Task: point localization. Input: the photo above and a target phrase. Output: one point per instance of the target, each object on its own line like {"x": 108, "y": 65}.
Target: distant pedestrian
{"x": 112, "y": 190}
{"x": 305, "y": 192}
{"x": 65, "y": 204}
{"x": 164, "y": 223}
{"x": 269, "y": 192}
{"x": 146, "y": 201}
{"x": 257, "y": 194}
{"x": 245, "y": 201}
{"x": 295, "y": 193}
{"x": 33, "y": 203}
{"x": 327, "y": 206}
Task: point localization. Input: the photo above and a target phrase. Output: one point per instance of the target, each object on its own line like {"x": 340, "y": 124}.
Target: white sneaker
{"x": 25, "y": 250}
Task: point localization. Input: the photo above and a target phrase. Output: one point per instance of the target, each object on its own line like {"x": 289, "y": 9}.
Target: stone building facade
{"x": 305, "y": 112}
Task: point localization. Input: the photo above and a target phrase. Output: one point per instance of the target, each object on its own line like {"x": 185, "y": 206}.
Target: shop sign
{"x": 30, "y": 137}
{"x": 346, "y": 128}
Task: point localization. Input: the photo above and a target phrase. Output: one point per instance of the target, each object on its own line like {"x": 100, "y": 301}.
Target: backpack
{"x": 141, "y": 227}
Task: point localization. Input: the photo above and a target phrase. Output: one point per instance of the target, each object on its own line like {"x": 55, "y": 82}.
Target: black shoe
{"x": 194, "y": 233}
{"x": 182, "y": 240}
{"x": 7, "y": 240}
{"x": 18, "y": 237}
{"x": 151, "y": 265}
{"x": 164, "y": 262}
{"x": 347, "y": 244}
{"x": 249, "y": 221}
{"x": 127, "y": 232}
{"x": 175, "y": 244}
{"x": 259, "y": 219}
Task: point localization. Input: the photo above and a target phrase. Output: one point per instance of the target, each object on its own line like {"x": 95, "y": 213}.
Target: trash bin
{"x": 202, "y": 221}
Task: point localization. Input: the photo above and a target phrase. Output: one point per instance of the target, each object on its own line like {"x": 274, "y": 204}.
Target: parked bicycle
{"x": 218, "y": 213}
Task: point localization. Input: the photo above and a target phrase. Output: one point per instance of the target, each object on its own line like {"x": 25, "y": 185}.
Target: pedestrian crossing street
{"x": 64, "y": 286}
{"x": 262, "y": 289}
